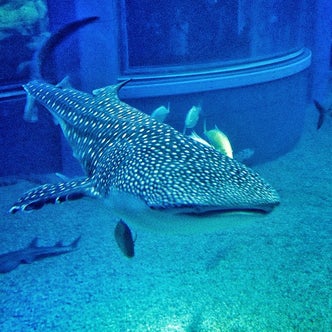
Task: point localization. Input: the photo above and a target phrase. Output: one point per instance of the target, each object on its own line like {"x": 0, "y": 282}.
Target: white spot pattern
{"x": 123, "y": 148}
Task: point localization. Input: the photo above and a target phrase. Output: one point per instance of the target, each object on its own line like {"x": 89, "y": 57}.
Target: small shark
{"x": 11, "y": 260}
{"x": 148, "y": 173}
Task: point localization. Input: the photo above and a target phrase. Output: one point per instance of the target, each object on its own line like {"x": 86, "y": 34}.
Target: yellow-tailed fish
{"x": 219, "y": 141}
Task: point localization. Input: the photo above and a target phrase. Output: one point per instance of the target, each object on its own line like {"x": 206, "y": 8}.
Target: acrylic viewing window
{"x": 165, "y": 36}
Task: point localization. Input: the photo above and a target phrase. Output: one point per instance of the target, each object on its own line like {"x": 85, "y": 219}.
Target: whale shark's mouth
{"x": 210, "y": 210}
{"x": 181, "y": 220}
{"x": 225, "y": 212}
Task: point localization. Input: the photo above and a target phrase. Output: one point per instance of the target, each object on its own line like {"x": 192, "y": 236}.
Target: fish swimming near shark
{"x": 222, "y": 145}
{"x": 11, "y": 260}
{"x": 124, "y": 239}
{"x": 192, "y": 118}
{"x": 219, "y": 140}
{"x": 148, "y": 173}
{"x": 161, "y": 113}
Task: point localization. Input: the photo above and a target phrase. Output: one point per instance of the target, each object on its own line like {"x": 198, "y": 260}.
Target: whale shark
{"x": 146, "y": 172}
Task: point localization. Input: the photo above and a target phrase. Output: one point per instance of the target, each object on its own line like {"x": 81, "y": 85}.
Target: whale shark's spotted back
{"x": 124, "y": 150}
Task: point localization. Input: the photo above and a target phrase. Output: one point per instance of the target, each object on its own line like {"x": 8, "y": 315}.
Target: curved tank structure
{"x": 242, "y": 62}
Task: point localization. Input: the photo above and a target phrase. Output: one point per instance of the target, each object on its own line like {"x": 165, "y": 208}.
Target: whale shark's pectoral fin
{"x": 36, "y": 198}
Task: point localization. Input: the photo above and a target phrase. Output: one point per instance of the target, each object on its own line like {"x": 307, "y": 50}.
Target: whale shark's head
{"x": 169, "y": 179}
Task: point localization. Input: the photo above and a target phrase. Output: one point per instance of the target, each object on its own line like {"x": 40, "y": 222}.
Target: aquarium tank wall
{"x": 244, "y": 63}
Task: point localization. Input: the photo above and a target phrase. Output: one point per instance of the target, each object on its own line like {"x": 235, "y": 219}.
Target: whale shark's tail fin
{"x": 49, "y": 45}
{"x": 41, "y": 58}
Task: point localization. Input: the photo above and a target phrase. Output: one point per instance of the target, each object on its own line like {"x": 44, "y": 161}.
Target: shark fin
{"x": 36, "y": 198}
{"x": 33, "y": 243}
{"x": 41, "y": 61}
{"x": 321, "y": 110}
{"x": 28, "y": 259}
{"x": 74, "y": 244}
{"x": 64, "y": 83}
{"x": 110, "y": 90}
{"x": 9, "y": 265}
{"x": 59, "y": 244}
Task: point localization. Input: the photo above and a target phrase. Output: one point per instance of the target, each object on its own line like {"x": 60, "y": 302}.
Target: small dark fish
{"x": 124, "y": 239}
{"x": 322, "y": 113}
{"x": 11, "y": 260}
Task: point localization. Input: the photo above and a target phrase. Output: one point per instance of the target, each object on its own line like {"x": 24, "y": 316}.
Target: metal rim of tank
{"x": 221, "y": 78}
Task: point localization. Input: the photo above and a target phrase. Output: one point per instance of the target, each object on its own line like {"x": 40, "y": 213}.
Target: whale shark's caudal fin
{"x": 43, "y": 54}
{"x": 36, "y": 198}
{"x": 41, "y": 57}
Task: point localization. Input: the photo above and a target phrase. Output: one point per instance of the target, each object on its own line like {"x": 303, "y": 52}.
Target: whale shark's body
{"x": 149, "y": 173}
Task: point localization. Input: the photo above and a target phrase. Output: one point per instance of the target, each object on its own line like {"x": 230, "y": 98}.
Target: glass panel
{"x": 25, "y": 147}
{"x": 22, "y": 28}
{"x": 185, "y": 33}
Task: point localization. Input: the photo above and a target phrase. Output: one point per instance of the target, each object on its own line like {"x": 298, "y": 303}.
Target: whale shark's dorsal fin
{"x": 110, "y": 90}
{"x": 64, "y": 83}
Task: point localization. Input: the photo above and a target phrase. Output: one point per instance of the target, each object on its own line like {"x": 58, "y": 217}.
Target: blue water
{"x": 271, "y": 274}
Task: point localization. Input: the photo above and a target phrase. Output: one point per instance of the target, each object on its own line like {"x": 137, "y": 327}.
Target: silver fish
{"x": 161, "y": 113}
{"x": 192, "y": 118}
{"x": 146, "y": 171}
